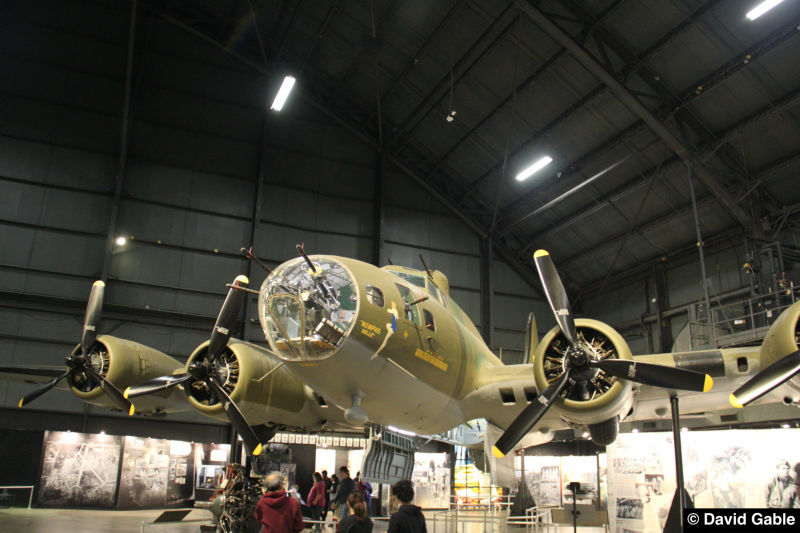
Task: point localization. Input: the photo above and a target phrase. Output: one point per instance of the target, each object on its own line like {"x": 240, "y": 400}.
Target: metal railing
{"x": 739, "y": 321}
{"x": 29, "y": 487}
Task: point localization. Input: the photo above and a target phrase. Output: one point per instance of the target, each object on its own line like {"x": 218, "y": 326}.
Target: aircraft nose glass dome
{"x": 307, "y": 316}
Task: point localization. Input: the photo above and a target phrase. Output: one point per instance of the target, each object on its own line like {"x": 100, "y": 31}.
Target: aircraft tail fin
{"x": 531, "y": 339}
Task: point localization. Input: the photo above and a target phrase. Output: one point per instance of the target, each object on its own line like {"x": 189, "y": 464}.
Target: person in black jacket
{"x": 328, "y": 484}
{"x": 357, "y": 521}
{"x": 346, "y": 486}
{"x": 408, "y": 518}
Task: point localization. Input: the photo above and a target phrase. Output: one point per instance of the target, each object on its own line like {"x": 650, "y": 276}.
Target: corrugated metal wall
{"x": 199, "y": 139}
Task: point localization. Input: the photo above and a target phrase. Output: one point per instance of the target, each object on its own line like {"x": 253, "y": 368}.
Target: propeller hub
{"x": 577, "y": 357}
{"x": 199, "y": 370}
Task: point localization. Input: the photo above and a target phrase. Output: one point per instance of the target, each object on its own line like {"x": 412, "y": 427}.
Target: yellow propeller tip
{"x": 20, "y": 402}
{"x": 497, "y": 453}
{"x": 257, "y": 451}
{"x": 734, "y": 401}
{"x": 131, "y": 410}
{"x": 708, "y": 383}
{"x": 241, "y": 278}
{"x": 540, "y": 253}
{"x": 99, "y": 283}
{"x": 125, "y": 393}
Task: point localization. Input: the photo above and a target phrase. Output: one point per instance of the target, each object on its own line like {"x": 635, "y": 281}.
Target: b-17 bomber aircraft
{"x": 353, "y": 344}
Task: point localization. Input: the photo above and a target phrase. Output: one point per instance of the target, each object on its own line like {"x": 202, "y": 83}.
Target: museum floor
{"x": 96, "y": 521}
{"x": 92, "y": 521}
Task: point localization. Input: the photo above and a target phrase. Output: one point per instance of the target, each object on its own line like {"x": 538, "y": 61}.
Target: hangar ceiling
{"x": 627, "y": 98}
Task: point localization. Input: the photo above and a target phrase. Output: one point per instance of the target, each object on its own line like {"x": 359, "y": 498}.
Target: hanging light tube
{"x": 762, "y": 8}
{"x": 283, "y": 93}
{"x": 536, "y": 167}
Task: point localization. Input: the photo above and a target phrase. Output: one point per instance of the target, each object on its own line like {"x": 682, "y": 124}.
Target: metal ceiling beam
{"x": 683, "y": 211}
{"x": 356, "y": 63}
{"x": 415, "y": 59}
{"x": 731, "y": 67}
{"x": 123, "y": 146}
{"x": 526, "y": 272}
{"x": 783, "y": 104}
{"x": 430, "y": 100}
{"x": 630, "y": 101}
{"x": 712, "y": 244}
{"x": 598, "y": 91}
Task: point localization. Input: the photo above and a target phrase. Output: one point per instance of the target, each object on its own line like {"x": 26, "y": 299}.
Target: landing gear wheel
{"x": 604, "y": 433}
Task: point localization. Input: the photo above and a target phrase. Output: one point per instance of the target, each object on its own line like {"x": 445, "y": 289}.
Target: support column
{"x": 662, "y": 304}
{"x": 378, "y": 244}
{"x": 487, "y": 291}
{"x": 700, "y": 246}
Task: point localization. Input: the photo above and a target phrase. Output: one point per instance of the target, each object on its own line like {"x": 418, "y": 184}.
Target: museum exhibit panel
{"x": 538, "y": 257}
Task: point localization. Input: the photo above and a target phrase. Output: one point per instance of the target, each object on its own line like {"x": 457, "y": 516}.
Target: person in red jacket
{"x": 277, "y": 512}
{"x": 316, "y": 499}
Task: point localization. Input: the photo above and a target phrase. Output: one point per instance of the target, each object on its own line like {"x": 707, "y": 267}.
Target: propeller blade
{"x": 668, "y": 377}
{"x": 111, "y": 391}
{"x": 227, "y": 317}
{"x": 154, "y": 385}
{"x": 771, "y": 377}
{"x": 28, "y": 398}
{"x": 236, "y": 417}
{"x": 556, "y": 295}
{"x": 529, "y": 416}
{"x": 92, "y": 318}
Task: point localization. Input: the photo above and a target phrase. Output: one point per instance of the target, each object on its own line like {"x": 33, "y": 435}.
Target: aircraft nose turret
{"x": 307, "y": 308}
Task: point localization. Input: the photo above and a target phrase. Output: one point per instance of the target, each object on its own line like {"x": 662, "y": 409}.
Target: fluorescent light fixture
{"x": 121, "y": 241}
{"x": 283, "y": 93}
{"x": 536, "y": 167}
{"x": 762, "y": 8}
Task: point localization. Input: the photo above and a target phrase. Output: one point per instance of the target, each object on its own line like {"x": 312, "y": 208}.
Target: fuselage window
{"x": 412, "y": 313}
{"x": 437, "y": 294}
{"x": 419, "y": 281}
{"x": 429, "y": 320}
{"x": 374, "y": 295}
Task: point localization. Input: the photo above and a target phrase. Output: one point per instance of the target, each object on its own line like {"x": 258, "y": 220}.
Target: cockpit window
{"x": 374, "y": 295}
{"x": 429, "y": 320}
{"x": 419, "y": 281}
{"x": 306, "y": 314}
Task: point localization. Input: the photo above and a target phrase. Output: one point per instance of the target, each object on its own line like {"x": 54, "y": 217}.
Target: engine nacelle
{"x": 592, "y": 396}
{"x": 265, "y": 394}
{"x": 125, "y": 363}
{"x": 782, "y": 340}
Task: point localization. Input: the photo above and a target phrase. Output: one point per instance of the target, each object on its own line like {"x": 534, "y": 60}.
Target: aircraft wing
{"x": 729, "y": 368}
{"x": 42, "y": 376}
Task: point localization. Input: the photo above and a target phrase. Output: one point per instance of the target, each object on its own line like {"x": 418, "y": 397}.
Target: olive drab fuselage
{"x": 410, "y": 363}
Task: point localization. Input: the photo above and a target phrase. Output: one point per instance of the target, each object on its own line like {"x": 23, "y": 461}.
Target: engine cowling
{"x": 124, "y": 363}
{"x": 592, "y": 397}
{"x": 264, "y": 390}
{"x": 782, "y": 339}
